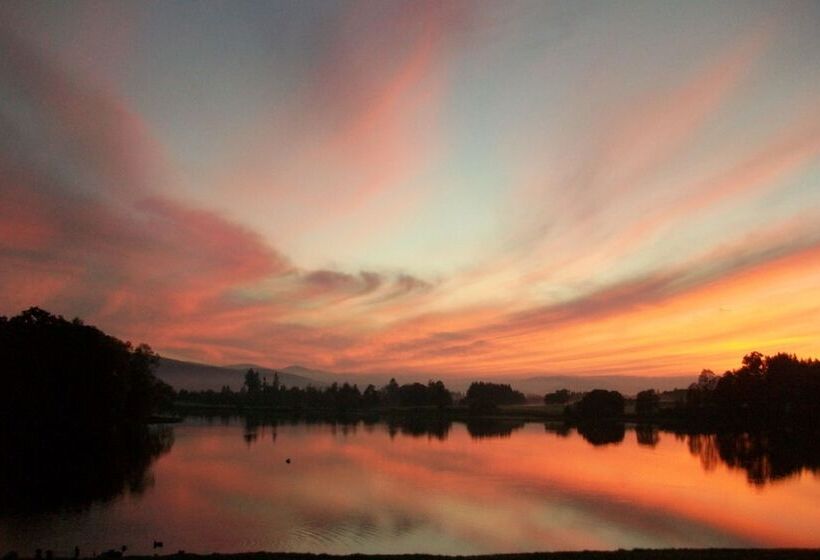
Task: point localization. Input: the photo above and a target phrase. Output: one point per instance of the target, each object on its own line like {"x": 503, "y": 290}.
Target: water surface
{"x": 225, "y": 486}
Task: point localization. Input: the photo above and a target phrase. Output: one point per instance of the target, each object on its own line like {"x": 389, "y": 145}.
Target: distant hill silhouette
{"x": 315, "y": 377}
{"x": 194, "y": 376}
{"x": 322, "y": 375}
{"x": 531, "y": 385}
{"x": 360, "y": 379}
{"x": 198, "y": 377}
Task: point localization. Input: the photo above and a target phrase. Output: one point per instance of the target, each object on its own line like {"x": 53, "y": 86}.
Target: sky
{"x": 435, "y": 188}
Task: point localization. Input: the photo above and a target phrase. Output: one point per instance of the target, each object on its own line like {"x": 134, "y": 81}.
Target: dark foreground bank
{"x": 663, "y": 554}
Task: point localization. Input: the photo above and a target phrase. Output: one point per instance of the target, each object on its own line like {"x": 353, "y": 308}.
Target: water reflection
{"x": 72, "y": 471}
{"x": 481, "y": 428}
{"x": 647, "y": 435}
{"x": 765, "y": 457}
{"x": 416, "y": 426}
{"x": 602, "y": 432}
{"x": 419, "y": 426}
{"x": 424, "y": 485}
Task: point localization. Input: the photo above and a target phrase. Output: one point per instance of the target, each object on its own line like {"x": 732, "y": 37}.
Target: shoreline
{"x": 669, "y": 419}
{"x": 533, "y": 413}
{"x": 634, "y": 554}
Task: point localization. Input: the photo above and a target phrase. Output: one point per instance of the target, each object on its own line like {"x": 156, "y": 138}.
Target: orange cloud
{"x": 87, "y": 227}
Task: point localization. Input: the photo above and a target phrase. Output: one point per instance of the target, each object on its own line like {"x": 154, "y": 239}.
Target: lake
{"x": 223, "y": 485}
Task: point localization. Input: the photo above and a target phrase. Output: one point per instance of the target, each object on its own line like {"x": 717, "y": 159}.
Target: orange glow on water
{"x": 357, "y": 489}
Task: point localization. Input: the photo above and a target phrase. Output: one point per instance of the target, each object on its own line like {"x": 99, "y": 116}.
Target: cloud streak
{"x": 669, "y": 240}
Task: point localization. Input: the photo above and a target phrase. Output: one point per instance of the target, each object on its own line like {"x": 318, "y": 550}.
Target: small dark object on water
{"x": 157, "y": 544}
{"x": 111, "y": 554}
{"x": 76, "y": 552}
{"x": 287, "y": 460}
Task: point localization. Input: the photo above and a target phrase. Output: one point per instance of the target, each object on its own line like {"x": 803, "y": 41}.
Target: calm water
{"x": 225, "y": 486}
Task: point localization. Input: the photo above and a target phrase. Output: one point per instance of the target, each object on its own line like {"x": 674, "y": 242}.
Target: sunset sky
{"x": 445, "y": 188}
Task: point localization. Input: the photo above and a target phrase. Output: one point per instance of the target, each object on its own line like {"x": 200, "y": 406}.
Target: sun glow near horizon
{"x": 435, "y": 188}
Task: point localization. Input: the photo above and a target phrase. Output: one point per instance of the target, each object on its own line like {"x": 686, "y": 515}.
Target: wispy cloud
{"x": 644, "y": 245}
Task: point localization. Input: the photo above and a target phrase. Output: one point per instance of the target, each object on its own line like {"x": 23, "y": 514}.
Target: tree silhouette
{"x": 438, "y": 395}
{"x": 391, "y": 392}
{"x": 78, "y": 396}
{"x": 493, "y": 394}
{"x": 253, "y": 383}
{"x": 370, "y": 397}
{"x": 773, "y": 391}
{"x": 600, "y": 404}
{"x": 647, "y": 403}
{"x": 60, "y": 374}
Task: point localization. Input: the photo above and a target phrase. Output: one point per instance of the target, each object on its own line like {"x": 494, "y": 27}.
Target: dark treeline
{"x": 765, "y": 392}
{"x": 64, "y": 375}
{"x": 76, "y": 403}
{"x": 763, "y": 417}
{"x": 259, "y": 391}
{"x": 774, "y": 390}
{"x": 599, "y": 404}
{"x": 61, "y": 375}
{"x": 485, "y": 397}
{"x": 74, "y": 408}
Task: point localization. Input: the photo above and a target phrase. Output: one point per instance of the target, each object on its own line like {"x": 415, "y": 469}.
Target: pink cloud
{"x": 86, "y": 229}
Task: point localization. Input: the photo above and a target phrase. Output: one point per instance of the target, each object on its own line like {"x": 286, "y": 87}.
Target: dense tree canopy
{"x": 600, "y": 404}
{"x": 73, "y": 411}
{"x": 494, "y": 394}
{"x": 256, "y": 391}
{"x": 779, "y": 389}
{"x": 647, "y": 403}
{"x": 64, "y": 374}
